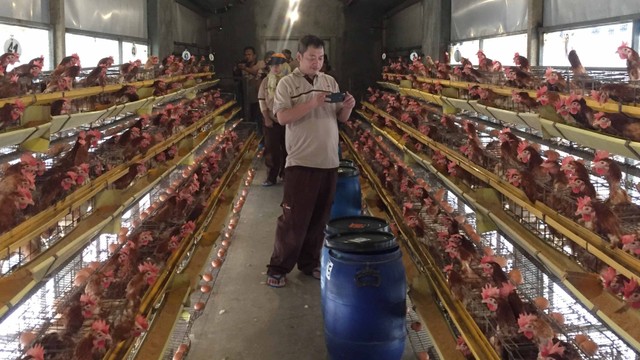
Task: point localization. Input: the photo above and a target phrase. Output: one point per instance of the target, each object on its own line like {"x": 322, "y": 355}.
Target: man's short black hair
{"x": 309, "y": 40}
{"x": 286, "y": 52}
{"x": 249, "y": 48}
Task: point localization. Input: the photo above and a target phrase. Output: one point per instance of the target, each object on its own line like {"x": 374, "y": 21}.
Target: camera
{"x": 336, "y": 97}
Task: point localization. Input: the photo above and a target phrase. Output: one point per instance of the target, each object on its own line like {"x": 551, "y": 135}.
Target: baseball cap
{"x": 277, "y": 59}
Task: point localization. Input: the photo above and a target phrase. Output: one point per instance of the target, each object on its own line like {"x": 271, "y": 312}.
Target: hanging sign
{"x": 12, "y": 46}
{"x": 134, "y": 51}
{"x": 384, "y": 56}
{"x": 413, "y": 56}
{"x": 211, "y": 57}
{"x": 186, "y": 55}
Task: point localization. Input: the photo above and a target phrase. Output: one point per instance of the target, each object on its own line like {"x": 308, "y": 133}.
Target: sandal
{"x": 315, "y": 273}
{"x": 276, "y": 281}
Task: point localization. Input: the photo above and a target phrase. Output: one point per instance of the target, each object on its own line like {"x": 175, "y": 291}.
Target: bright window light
{"x": 92, "y": 49}
{"x": 466, "y": 49}
{"x": 33, "y": 43}
{"x": 503, "y": 48}
{"x": 293, "y": 16}
{"x": 596, "y": 46}
{"x": 141, "y": 50}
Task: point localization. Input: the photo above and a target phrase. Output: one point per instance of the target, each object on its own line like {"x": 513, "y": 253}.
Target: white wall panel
{"x": 114, "y": 17}
{"x": 191, "y": 28}
{"x": 31, "y": 10}
{"x": 404, "y": 29}
{"x": 564, "y": 12}
{"x": 473, "y": 18}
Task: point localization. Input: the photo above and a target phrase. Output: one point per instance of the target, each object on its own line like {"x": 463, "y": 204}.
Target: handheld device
{"x": 336, "y": 97}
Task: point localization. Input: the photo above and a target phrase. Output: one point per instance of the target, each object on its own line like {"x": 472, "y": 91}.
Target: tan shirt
{"x": 265, "y": 101}
{"x": 312, "y": 141}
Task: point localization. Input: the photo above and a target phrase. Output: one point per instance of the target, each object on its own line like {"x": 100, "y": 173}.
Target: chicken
{"x": 617, "y": 124}
{"x": 579, "y": 110}
{"x": 93, "y": 345}
{"x": 612, "y": 281}
{"x": 581, "y": 186}
{"x": 65, "y": 64}
{"x": 9, "y": 86}
{"x": 10, "y": 114}
{"x": 135, "y": 170}
{"x": 534, "y": 328}
{"x": 554, "y": 80}
{"x": 152, "y": 62}
{"x": 491, "y": 269}
{"x": 505, "y": 319}
{"x": 604, "y": 166}
{"x": 522, "y": 62}
{"x": 97, "y": 77}
{"x": 484, "y": 63}
{"x": 60, "y": 107}
{"x": 147, "y": 275}
{"x": 130, "y": 70}
{"x": 632, "y": 293}
{"x": 79, "y": 154}
{"x": 129, "y": 327}
{"x": 522, "y": 97}
{"x": 622, "y": 93}
{"x": 633, "y": 60}
{"x": 36, "y": 352}
{"x": 598, "y": 217}
{"x": 529, "y": 155}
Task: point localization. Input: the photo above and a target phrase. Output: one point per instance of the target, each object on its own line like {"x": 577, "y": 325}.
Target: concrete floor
{"x": 259, "y": 322}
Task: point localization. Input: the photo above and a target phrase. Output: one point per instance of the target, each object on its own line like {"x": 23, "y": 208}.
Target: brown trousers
{"x": 275, "y": 152}
{"x": 306, "y": 206}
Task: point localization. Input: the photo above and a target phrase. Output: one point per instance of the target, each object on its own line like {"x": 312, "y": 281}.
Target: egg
{"x": 216, "y": 263}
{"x": 183, "y": 347}
{"x": 207, "y": 277}
{"x": 179, "y": 355}
{"x": 113, "y": 248}
{"x": 541, "y": 303}
{"x": 221, "y": 252}
{"x": 231, "y": 226}
{"x": 144, "y": 215}
{"x": 416, "y": 326}
{"x": 580, "y": 338}
{"x": 225, "y": 243}
{"x": 558, "y": 318}
{"x": 186, "y": 173}
{"x": 516, "y": 276}
{"x": 122, "y": 239}
{"x": 136, "y": 222}
{"x": 163, "y": 197}
{"x": 244, "y": 192}
{"x": 123, "y": 231}
{"x": 170, "y": 190}
{"x": 205, "y": 288}
{"x": 589, "y": 347}
{"x": 198, "y": 306}
{"x": 27, "y": 338}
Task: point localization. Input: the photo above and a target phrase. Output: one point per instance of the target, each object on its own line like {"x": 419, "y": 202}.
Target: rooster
{"x": 599, "y": 218}
{"x": 94, "y": 344}
{"x": 633, "y": 60}
{"x": 604, "y": 166}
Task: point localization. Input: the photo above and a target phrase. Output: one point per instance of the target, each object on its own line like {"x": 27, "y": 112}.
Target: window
{"x": 504, "y": 47}
{"x": 596, "y": 46}
{"x": 467, "y": 49}
{"x": 141, "y": 52}
{"x": 33, "y": 43}
{"x": 92, "y": 49}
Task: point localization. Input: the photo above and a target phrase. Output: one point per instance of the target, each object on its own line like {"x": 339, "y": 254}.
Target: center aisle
{"x": 259, "y": 322}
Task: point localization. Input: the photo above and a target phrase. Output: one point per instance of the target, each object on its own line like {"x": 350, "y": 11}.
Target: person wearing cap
{"x": 311, "y": 169}
{"x": 274, "y": 133}
{"x": 293, "y": 63}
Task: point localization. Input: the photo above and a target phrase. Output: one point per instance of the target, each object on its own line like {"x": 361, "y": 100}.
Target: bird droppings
{"x": 222, "y": 311}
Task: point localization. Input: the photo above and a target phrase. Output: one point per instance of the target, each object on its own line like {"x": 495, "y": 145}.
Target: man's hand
{"x": 349, "y": 101}
{"x": 317, "y": 100}
{"x": 242, "y": 66}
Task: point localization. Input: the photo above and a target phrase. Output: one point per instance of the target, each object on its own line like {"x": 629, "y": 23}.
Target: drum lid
{"x": 355, "y": 224}
{"x": 362, "y": 242}
{"x": 347, "y": 171}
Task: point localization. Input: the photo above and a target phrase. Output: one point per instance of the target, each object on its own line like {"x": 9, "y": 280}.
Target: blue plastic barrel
{"x": 363, "y": 291}
{"x": 347, "y": 162}
{"x": 348, "y": 198}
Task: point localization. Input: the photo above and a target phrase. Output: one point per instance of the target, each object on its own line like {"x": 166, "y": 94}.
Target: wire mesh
{"x": 537, "y": 282}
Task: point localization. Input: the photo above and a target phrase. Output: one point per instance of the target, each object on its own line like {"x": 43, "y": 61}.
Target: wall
{"x": 353, "y": 32}
{"x": 403, "y": 30}
{"x": 190, "y": 27}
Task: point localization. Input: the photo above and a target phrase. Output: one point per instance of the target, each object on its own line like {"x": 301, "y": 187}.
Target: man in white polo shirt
{"x": 302, "y": 105}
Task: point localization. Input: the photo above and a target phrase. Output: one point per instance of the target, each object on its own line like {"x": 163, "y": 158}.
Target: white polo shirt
{"x": 312, "y": 141}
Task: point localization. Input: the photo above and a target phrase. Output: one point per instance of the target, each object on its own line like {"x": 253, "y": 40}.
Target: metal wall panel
{"x": 190, "y": 27}
{"x": 565, "y": 12}
{"x": 113, "y": 17}
{"x": 404, "y": 29}
{"x": 472, "y": 18}
{"x": 31, "y": 10}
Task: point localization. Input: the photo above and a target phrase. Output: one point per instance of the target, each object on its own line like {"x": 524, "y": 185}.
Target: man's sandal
{"x": 276, "y": 281}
